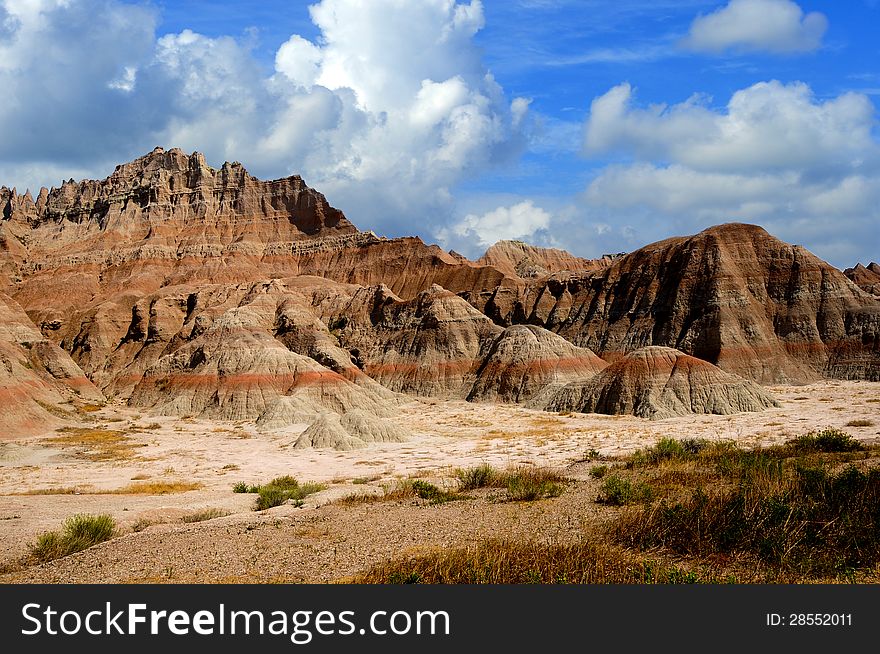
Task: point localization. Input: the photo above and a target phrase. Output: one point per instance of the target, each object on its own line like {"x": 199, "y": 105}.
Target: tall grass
{"x": 786, "y": 505}
{"x": 510, "y": 562}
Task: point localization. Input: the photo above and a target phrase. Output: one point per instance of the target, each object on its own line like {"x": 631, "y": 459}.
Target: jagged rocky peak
{"x": 167, "y": 186}
{"x": 865, "y": 277}
{"x": 526, "y": 261}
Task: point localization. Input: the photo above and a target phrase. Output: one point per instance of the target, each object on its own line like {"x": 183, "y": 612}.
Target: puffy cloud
{"x": 67, "y": 69}
{"x": 768, "y": 126}
{"x": 474, "y": 233}
{"x": 807, "y": 169}
{"x": 777, "y": 26}
{"x": 384, "y": 112}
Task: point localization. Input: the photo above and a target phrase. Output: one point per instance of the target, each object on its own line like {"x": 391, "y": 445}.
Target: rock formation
{"x": 199, "y": 291}
{"x": 658, "y": 382}
{"x": 867, "y": 279}
{"x": 524, "y": 359}
{"x": 732, "y": 295}
{"x": 516, "y": 258}
{"x": 350, "y": 431}
{"x": 327, "y": 432}
{"x": 40, "y": 386}
{"x": 430, "y": 345}
{"x": 251, "y": 361}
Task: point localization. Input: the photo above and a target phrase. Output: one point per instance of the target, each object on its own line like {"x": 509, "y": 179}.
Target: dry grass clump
{"x": 78, "y": 533}
{"x": 204, "y": 514}
{"x": 56, "y": 490}
{"x": 511, "y": 562}
{"x": 403, "y": 489}
{"x": 157, "y": 488}
{"x": 523, "y": 483}
{"x": 55, "y": 410}
{"x": 89, "y": 408}
{"x": 860, "y": 423}
{"x": 96, "y": 444}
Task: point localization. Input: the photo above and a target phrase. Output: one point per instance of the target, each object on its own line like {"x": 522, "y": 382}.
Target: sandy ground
{"x": 445, "y": 435}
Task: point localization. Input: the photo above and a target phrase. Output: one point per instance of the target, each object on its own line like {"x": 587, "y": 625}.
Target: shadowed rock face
{"x": 658, "y": 382}
{"x": 525, "y": 359}
{"x": 430, "y": 345}
{"x": 732, "y": 295}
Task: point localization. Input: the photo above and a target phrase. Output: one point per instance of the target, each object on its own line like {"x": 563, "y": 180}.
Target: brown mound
{"x": 659, "y": 382}
{"x": 327, "y": 432}
{"x": 237, "y": 369}
{"x": 524, "y": 359}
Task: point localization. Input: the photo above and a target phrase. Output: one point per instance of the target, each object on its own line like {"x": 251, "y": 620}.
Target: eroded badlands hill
{"x": 198, "y": 291}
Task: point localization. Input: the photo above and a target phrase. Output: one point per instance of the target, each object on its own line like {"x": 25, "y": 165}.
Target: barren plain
{"x": 43, "y": 481}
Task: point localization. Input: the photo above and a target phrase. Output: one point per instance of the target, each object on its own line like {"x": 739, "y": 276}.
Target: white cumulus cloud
{"x": 775, "y": 26}
{"x": 808, "y": 169}
{"x": 384, "y": 112}
{"x": 474, "y": 233}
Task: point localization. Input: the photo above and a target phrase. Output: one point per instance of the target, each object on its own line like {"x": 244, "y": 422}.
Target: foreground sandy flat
{"x": 321, "y": 541}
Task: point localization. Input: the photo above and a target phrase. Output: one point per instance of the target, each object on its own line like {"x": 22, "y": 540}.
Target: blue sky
{"x": 591, "y": 125}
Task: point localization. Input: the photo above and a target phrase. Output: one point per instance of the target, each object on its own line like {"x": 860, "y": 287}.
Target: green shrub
{"x": 521, "y": 489}
{"x": 618, "y": 491}
{"x": 431, "y": 492}
{"x": 597, "y": 472}
{"x": 527, "y": 484}
{"x": 280, "y": 490}
{"x": 78, "y": 533}
{"x": 668, "y": 449}
{"x": 481, "y": 476}
{"x": 241, "y": 487}
{"x": 269, "y": 496}
{"x": 827, "y": 440}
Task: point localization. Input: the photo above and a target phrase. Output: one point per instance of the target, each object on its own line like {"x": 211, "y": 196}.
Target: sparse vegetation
{"x": 791, "y": 507}
{"x": 481, "y": 476}
{"x": 523, "y": 484}
{"x": 597, "y": 472}
{"x": 618, "y": 491}
{"x": 278, "y": 492}
{"x": 204, "y": 514}
{"x": 827, "y": 440}
{"x": 527, "y": 484}
{"x": 435, "y": 495}
{"x": 366, "y": 480}
{"x": 94, "y": 444}
{"x": 860, "y": 423}
{"x": 78, "y": 533}
{"x": 157, "y": 488}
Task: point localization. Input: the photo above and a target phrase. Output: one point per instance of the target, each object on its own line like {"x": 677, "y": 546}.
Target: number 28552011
{"x": 809, "y": 620}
